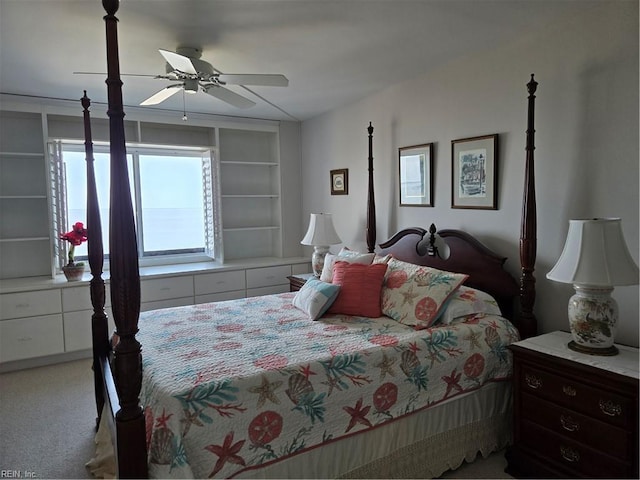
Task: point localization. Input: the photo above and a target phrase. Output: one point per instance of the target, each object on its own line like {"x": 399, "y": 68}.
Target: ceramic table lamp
{"x": 321, "y": 234}
{"x": 595, "y": 258}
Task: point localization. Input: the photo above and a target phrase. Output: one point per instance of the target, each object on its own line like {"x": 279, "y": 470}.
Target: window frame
{"x": 211, "y": 220}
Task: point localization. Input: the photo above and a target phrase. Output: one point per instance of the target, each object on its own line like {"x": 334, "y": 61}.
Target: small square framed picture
{"x": 340, "y": 181}
{"x": 474, "y": 172}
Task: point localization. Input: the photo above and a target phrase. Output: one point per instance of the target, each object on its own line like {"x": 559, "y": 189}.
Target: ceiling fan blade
{"x": 268, "y": 80}
{"x": 228, "y": 96}
{"x": 179, "y": 62}
{"x": 162, "y": 95}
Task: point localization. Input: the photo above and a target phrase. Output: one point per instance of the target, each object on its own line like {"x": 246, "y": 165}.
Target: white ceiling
{"x": 333, "y": 52}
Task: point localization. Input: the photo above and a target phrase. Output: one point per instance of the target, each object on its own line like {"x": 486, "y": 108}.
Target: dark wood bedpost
{"x": 99, "y": 325}
{"x": 371, "y": 201}
{"x": 528, "y": 240}
{"x": 125, "y": 277}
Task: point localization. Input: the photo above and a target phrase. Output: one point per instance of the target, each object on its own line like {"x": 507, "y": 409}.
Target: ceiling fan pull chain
{"x": 184, "y": 108}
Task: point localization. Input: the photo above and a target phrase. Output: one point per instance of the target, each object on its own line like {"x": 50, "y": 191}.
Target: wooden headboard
{"x": 466, "y": 255}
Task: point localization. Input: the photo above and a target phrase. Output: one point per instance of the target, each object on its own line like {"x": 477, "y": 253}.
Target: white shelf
{"x": 21, "y": 197}
{"x": 25, "y": 239}
{"x": 22, "y": 154}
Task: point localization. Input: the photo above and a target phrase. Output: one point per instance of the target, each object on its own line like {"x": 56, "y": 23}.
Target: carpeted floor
{"x": 47, "y": 419}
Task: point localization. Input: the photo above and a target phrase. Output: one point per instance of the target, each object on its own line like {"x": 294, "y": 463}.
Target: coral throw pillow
{"x": 414, "y": 295}
{"x": 360, "y": 287}
{"x": 345, "y": 255}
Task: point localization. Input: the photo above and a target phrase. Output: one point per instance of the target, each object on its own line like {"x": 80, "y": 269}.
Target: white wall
{"x": 586, "y": 145}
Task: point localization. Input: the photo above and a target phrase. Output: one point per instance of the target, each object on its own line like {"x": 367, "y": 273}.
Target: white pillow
{"x": 346, "y": 255}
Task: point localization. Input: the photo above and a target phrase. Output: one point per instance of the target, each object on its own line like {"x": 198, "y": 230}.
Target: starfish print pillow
{"x": 414, "y": 295}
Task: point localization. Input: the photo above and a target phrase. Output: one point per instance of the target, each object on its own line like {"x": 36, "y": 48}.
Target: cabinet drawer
{"x": 77, "y": 329}
{"x": 172, "y": 302}
{"x": 257, "y": 292}
{"x": 605, "y": 438}
{"x": 219, "y": 282}
{"x": 79, "y": 298}
{"x": 31, "y": 337}
{"x": 572, "y": 455}
{"x": 164, "y": 288}
{"x": 220, "y": 297}
{"x": 29, "y": 304}
{"x": 268, "y": 276}
{"x": 606, "y": 406}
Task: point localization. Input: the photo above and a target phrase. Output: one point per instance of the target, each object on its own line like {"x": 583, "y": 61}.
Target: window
{"x": 170, "y": 193}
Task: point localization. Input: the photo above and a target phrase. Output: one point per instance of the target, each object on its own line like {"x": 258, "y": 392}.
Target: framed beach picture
{"x": 340, "y": 181}
{"x": 416, "y": 175}
{"x": 474, "y": 172}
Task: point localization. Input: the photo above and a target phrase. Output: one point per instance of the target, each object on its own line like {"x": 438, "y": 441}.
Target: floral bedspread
{"x": 233, "y": 385}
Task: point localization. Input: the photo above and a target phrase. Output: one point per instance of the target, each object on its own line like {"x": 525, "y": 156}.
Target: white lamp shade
{"x": 595, "y": 254}
{"x": 321, "y": 231}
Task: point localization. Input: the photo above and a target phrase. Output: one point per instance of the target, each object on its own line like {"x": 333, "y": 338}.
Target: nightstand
{"x": 575, "y": 415}
{"x": 298, "y": 280}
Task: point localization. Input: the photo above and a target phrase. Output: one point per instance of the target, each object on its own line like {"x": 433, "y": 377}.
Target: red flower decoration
{"x": 75, "y": 237}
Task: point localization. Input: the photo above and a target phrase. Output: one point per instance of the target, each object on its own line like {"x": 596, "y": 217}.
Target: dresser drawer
{"x": 268, "y": 276}
{"x": 160, "y": 289}
{"x": 571, "y": 455}
{"x": 220, "y": 282}
{"x": 600, "y": 404}
{"x": 31, "y": 337}
{"x": 77, "y": 329}
{"x": 29, "y": 304}
{"x": 79, "y": 298}
{"x": 599, "y": 435}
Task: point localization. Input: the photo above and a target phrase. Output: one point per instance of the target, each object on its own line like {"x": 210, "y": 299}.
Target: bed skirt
{"x": 423, "y": 445}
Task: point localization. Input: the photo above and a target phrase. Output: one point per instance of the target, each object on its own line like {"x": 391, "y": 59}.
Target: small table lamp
{"x": 320, "y": 234}
{"x": 594, "y": 259}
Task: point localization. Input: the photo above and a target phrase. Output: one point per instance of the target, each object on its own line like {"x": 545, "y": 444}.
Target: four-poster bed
{"x": 466, "y": 410}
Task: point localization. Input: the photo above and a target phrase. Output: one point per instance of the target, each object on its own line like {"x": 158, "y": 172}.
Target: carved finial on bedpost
{"x": 432, "y": 250}
{"x": 528, "y": 240}
{"x": 371, "y": 202}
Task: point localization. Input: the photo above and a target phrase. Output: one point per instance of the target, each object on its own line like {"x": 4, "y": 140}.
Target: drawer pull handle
{"x": 569, "y": 390}
{"x": 532, "y": 381}
{"x": 569, "y": 423}
{"x": 22, "y": 305}
{"x": 610, "y": 408}
{"x": 569, "y": 454}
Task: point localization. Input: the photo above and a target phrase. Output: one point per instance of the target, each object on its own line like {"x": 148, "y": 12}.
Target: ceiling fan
{"x": 193, "y": 75}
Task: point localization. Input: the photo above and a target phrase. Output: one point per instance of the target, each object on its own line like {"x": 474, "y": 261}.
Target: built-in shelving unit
{"x": 250, "y": 193}
{"x": 24, "y": 207}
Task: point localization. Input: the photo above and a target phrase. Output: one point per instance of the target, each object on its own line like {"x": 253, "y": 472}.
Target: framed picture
{"x": 474, "y": 172}
{"x": 340, "y": 182}
{"x": 416, "y": 177}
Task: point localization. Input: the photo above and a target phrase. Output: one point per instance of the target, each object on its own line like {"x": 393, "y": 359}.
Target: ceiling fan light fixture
{"x": 191, "y": 86}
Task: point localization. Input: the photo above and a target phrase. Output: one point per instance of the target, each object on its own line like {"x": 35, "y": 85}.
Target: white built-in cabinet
{"x": 43, "y": 325}
{"x": 25, "y": 243}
